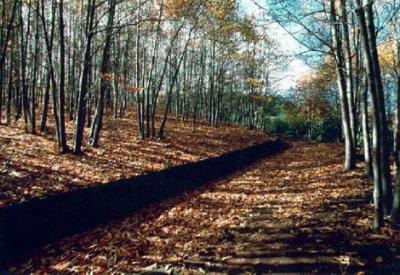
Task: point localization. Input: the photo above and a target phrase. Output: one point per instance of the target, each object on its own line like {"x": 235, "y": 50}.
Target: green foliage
{"x": 276, "y": 125}
{"x": 330, "y": 130}
{"x": 309, "y": 112}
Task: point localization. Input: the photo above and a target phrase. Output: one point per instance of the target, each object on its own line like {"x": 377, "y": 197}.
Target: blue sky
{"x": 297, "y": 67}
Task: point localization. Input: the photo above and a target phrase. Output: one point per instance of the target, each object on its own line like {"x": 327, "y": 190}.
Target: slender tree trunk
{"x": 35, "y": 72}
{"x": 338, "y": 53}
{"x": 365, "y": 127}
{"x": 395, "y": 215}
{"x": 157, "y": 90}
{"x": 49, "y": 49}
{"x": 150, "y": 81}
{"x": 61, "y": 91}
{"x": 24, "y": 40}
{"x": 377, "y": 127}
{"x": 138, "y": 75}
{"x": 45, "y": 105}
{"x": 115, "y": 86}
{"x": 377, "y": 80}
{"x": 168, "y": 103}
{"x": 105, "y": 79}
{"x": 10, "y": 89}
{"x": 347, "y": 56}
{"x": 5, "y": 45}
{"x": 199, "y": 88}
{"x": 73, "y": 72}
{"x": 84, "y": 82}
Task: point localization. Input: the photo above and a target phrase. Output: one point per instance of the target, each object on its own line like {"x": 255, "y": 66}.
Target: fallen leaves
{"x": 272, "y": 214}
{"x": 60, "y": 266}
{"x": 31, "y": 167}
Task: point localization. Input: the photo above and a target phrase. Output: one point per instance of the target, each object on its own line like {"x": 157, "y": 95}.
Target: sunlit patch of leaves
{"x": 305, "y": 187}
{"x": 30, "y": 165}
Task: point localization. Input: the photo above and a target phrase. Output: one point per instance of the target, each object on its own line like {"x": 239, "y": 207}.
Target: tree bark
{"x": 395, "y": 215}
{"x": 349, "y": 163}
{"x": 365, "y": 127}
{"x": 347, "y": 56}
{"x": 168, "y": 103}
{"x": 61, "y": 88}
{"x": 377, "y": 80}
{"x": 105, "y": 78}
{"x": 376, "y": 115}
{"x": 5, "y": 47}
{"x": 84, "y": 82}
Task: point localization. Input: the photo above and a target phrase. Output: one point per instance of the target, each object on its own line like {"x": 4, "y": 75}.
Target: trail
{"x": 309, "y": 217}
{"x": 293, "y": 212}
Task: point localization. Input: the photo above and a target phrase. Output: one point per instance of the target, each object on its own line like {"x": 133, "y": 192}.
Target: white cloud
{"x": 250, "y": 8}
{"x": 296, "y": 69}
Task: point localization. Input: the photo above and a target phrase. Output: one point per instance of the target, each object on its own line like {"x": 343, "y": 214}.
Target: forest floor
{"x": 295, "y": 211}
{"x": 30, "y": 165}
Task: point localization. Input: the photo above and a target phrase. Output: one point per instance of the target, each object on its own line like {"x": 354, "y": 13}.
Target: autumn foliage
{"x": 32, "y": 167}
{"x": 262, "y": 218}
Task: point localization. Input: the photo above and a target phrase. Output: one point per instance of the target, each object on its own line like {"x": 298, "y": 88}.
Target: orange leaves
{"x": 254, "y": 82}
{"x": 61, "y": 266}
{"x": 221, "y": 9}
{"x": 106, "y": 77}
{"x": 300, "y": 194}
{"x": 388, "y": 56}
{"x": 32, "y": 167}
{"x": 134, "y": 89}
{"x": 177, "y": 8}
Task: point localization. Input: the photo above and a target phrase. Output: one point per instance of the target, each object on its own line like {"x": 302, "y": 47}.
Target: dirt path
{"x": 296, "y": 211}
{"x": 310, "y": 217}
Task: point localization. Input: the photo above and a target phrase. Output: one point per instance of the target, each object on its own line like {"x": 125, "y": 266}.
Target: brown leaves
{"x": 31, "y": 167}
{"x": 300, "y": 195}
{"x": 134, "y": 89}
{"x": 61, "y": 266}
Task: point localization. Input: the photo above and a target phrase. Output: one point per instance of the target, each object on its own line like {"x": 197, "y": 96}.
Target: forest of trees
{"x": 355, "y": 48}
{"x": 70, "y": 61}
{"x": 77, "y": 60}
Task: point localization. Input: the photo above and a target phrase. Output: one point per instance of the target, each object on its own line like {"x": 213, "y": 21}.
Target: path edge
{"x": 40, "y": 221}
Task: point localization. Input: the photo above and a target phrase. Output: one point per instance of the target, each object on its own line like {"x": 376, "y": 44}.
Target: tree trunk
{"x": 377, "y": 127}
{"x": 138, "y": 75}
{"x": 349, "y": 163}
{"x": 24, "y": 40}
{"x": 52, "y": 77}
{"x": 35, "y": 72}
{"x": 45, "y": 105}
{"x": 347, "y": 56}
{"x": 365, "y": 127}
{"x": 395, "y": 215}
{"x": 61, "y": 91}
{"x": 5, "y": 45}
{"x": 105, "y": 79}
{"x": 84, "y": 82}
{"x": 168, "y": 103}
{"x": 377, "y": 80}
{"x": 150, "y": 80}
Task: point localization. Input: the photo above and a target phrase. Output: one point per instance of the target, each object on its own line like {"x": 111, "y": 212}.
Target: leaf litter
{"x": 30, "y": 165}
{"x": 253, "y": 220}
